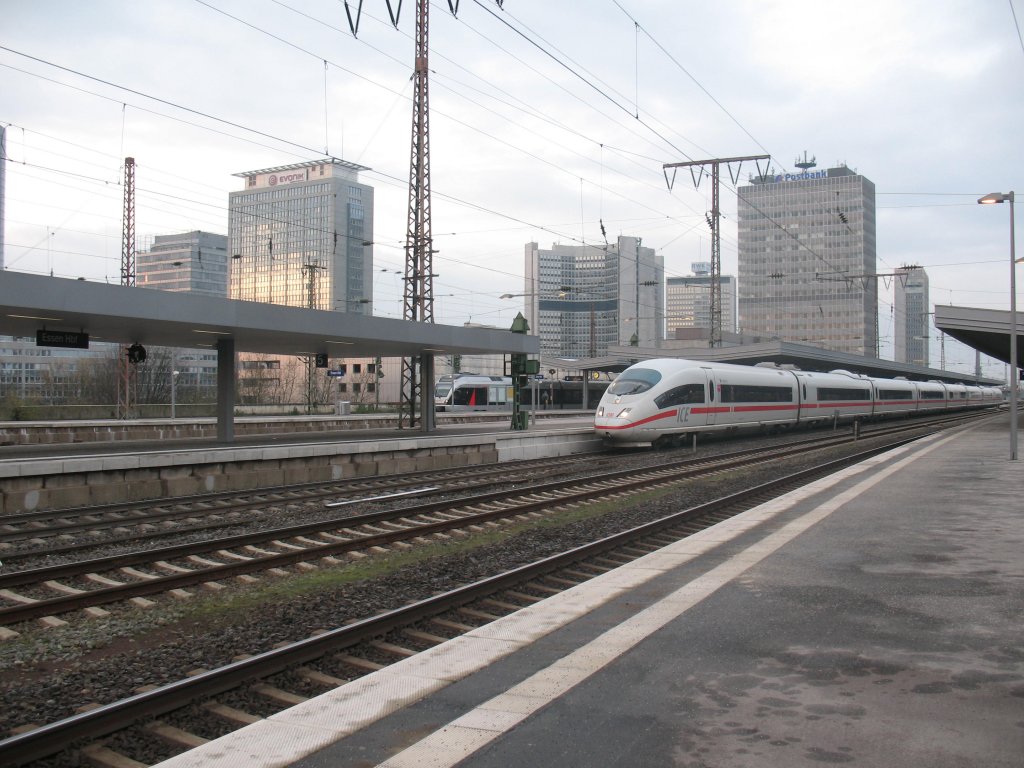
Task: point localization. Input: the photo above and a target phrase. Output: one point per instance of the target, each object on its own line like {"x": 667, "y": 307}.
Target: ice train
{"x": 657, "y": 401}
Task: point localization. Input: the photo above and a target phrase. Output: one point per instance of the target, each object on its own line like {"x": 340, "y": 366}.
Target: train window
{"x": 634, "y": 380}
{"x": 842, "y": 393}
{"x": 747, "y": 393}
{"x": 933, "y": 394}
{"x": 687, "y": 393}
{"x": 895, "y": 394}
{"x": 470, "y": 396}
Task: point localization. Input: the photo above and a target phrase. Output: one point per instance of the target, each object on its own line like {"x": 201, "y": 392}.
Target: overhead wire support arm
{"x": 697, "y": 171}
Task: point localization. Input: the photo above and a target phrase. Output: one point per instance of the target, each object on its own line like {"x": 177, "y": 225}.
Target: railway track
{"x": 154, "y": 724}
{"x": 47, "y": 592}
{"x": 48, "y": 533}
{"x": 217, "y": 510}
{"x": 101, "y": 581}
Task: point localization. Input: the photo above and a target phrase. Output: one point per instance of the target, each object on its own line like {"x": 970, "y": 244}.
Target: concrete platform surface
{"x": 872, "y": 619}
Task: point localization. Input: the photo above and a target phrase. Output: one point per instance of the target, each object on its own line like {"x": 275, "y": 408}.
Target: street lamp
{"x": 174, "y": 386}
{"x": 999, "y": 197}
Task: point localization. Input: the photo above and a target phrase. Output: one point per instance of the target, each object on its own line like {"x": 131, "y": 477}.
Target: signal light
{"x": 136, "y": 354}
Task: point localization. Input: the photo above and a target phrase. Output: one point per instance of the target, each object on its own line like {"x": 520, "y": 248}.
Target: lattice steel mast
{"x": 125, "y": 368}
{"x": 419, "y": 278}
{"x": 714, "y": 220}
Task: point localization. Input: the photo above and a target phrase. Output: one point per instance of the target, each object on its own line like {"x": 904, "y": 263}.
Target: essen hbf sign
{"x": 69, "y": 339}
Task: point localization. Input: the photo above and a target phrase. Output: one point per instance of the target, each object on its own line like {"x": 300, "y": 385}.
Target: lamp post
{"x": 174, "y": 386}
{"x": 999, "y": 197}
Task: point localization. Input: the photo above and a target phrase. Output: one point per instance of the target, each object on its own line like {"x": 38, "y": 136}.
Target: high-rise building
{"x": 807, "y": 259}
{"x": 196, "y": 262}
{"x": 582, "y": 299}
{"x": 910, "y": 316}
{"x": 688, "y": 300}
{"x": 302, "y": 235}
{"x": 3, "y": 188}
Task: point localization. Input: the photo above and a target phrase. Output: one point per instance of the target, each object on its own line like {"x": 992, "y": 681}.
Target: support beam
{"x": 226, "y": 390}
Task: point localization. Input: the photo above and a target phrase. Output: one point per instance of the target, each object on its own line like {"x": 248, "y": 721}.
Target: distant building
{"x": 193, "y": 262}
{"x": 688, "y": 300}
{"x": 807, "y": 259}
{"x": 301, "y": 235}
{"x": 910, "y": 316}
{"x": 582, "y": 299}
{"x": 3, "y": 188}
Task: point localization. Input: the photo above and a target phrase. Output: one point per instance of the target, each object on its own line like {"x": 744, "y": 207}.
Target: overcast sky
{"x": 548, "y": 118}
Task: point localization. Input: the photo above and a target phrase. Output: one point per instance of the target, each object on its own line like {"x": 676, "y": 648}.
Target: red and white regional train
{"x": 657, "y": 401}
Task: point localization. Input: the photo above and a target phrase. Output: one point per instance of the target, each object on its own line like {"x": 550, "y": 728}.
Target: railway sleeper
{"x": 100, "y": 755}
{"x": 473, "y": 613}
{"x": 425, "y": 637}
{"x": 452, "y": 625}
{"x": 175, "y": 736}
{"x": 279, "y": 696}
{"x": 391, "y": 649}
{"x": 320, "y": 678}
{"x": 501, "y": 605}
{"x": 363, "y": 665}
{"x": 235, "y": 717}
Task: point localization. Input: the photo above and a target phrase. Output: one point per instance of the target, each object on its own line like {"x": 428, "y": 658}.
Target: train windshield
{"x": 442, "y": 389}
{"x": 634, "y": 380}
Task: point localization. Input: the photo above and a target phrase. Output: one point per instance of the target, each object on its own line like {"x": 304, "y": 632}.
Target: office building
{"x": 582, "y": 299}
{"x": 196, "y": 262}
{"x": 3, "y": 188}
{"x": 910, "y": 316}
{"x": 807, "y": 259}
{"x": 302, "y": 235}
{"x": 688, "y": 300}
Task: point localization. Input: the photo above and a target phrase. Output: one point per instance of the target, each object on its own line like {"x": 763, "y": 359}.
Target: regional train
{"x": 659, "y": 401}
{"x": 473, "y": 392}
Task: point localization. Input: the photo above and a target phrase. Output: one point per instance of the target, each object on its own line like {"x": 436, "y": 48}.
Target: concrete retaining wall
{"x": 67, "y": 482}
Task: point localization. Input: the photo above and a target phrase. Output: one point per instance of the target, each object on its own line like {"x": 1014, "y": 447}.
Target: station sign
{"x": 68, "y": 339}
{"x": 335, "y": 374}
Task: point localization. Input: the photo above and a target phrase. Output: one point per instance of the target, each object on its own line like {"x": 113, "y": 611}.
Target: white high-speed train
{"x": 659, "y": 400}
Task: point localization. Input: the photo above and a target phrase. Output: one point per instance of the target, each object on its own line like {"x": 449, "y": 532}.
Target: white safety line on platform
{"x": 478, "y": 727}
{"x": 302, "y": 730}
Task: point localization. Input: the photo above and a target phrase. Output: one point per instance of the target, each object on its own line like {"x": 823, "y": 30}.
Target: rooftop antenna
{"x": 805, "y": 163}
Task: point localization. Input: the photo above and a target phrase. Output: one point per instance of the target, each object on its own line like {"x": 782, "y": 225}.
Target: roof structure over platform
{"x": 805, "y": 357}
{"x": 986, "y": 330}
{"x": 132, "y": 315}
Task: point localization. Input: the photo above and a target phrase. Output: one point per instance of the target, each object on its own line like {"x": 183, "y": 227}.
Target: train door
{"x": 711, "y": 397}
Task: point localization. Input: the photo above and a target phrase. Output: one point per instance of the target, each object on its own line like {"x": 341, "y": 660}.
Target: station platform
{"x": 871, "y": 619}
{"x": 55, "y": 476}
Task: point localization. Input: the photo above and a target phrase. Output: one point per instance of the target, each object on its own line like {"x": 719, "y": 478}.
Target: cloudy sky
{"x": 549, "y": 119}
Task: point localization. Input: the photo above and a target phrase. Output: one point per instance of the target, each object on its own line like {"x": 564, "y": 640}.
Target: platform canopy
{"x": 123, "y": 315}
{"x": 986, "y": 330}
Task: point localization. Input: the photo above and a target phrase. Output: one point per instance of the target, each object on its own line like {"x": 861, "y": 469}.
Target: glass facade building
{"x": 807, "y": 259}
{"x": 688, "y": 300}
{"x": 582, "y": 299}
{"x": 301, "y": 235}
{"x": 910, "y": 316}
{"x": 196, "y": 262}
